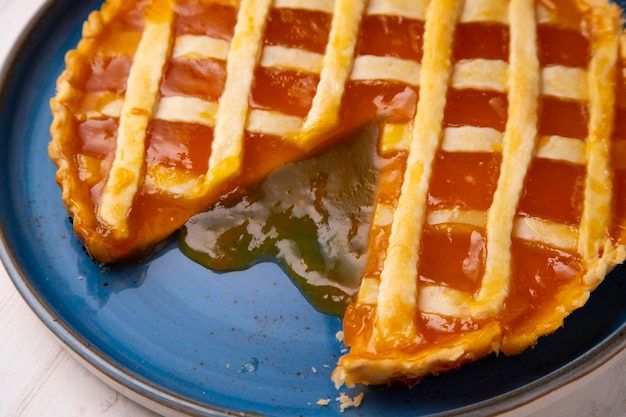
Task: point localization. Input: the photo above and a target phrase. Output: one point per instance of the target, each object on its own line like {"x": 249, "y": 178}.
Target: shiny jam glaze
{"x": 464, "y": 180}
{"x": 291, "y": 91}
{"x": 562, "y": 46}
{"x": 201, "y": 78}
{"x": 540, "y": 273}
{"x": 391, "y": 36}
{"x": 462, "y": 267}
{"x": 563, "y": 118}
{"x": 303, "y": 29}
{"x": 179, "y": 145}
{"x": 263, "y": 153}
{"x": 480, "y": 40}
{"x": 130, "y": 17}
{"x": 366, "y": 100}
{"x": 205, "y": 18}
{"x": 109, "y": 74}
{"x": 475, "y": 108}
{"x": 98, "y": 137}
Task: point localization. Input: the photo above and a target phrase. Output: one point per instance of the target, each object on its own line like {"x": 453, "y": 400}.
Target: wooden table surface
{"x": 38, "y": 378}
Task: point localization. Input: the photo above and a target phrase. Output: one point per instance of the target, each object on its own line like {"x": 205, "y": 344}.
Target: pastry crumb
{"x": 323, "y": 402}
{"x": 345, "y": 401}
{"x": 339, "y": 335}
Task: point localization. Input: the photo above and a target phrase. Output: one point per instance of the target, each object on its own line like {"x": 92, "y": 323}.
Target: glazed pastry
{"x": 501, "y": 203}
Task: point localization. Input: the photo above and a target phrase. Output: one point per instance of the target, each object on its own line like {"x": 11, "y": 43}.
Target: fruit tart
{"x": 501, "y": 202}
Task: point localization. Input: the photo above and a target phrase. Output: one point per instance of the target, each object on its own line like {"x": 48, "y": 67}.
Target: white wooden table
{"x": 38, "y": 378}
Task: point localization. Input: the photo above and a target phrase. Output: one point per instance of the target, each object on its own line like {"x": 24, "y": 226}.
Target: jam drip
{"x": 311, "y": 217}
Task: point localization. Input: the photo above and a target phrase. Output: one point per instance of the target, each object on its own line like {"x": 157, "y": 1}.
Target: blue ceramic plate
{"x": 204, "y": 343}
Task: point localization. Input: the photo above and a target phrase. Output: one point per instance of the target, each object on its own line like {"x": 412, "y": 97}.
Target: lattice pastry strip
{"x": 597, "y": 205}
{"x": 320, "y": 5}
{"x": 485, "y": 11}
{"x": 405, "y": 8}
{"x": 227, "y": 146}
{"x": 191, "y": 46}
{"x": 398, "y": 277}
{"x": 338, "y": 59}
{"x": 141, "y": 96}
{"x": 518, "y": 147}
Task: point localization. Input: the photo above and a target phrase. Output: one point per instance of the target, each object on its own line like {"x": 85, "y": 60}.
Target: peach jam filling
{"x": 479, "y": 40}
{"x": 476, "y": 108}
{"x": 462, "y": 267}
{"x": 464, "y": 180}
{"x": 540, "y": 273}
{"x": 553, "y": 190}
{"x": 201, "y": 78}
{"x": 290, "y": 91}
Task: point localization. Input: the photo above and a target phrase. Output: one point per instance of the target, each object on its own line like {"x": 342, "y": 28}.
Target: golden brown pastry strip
{"x": 141, "y": 97}
{"x": 324, "y": 112}
{"x": 232, "y": 113}
{"x": 398, "y": 280}
{"x": 518, "y": 146}
{"x": 596, "y": 213}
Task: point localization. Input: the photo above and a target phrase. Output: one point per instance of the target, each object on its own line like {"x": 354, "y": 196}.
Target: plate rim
{"x": 138, "y": 388}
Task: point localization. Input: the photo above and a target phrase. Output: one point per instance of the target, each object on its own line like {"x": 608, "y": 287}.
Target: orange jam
{"x": 304, "y": 29}
{"x": 98, "y": 137}
{"x": 462, "y": 266}
{"x": 464, "y": 180}
{"x": 540, "y": 274}
{"x": 179, "y": 145}
{"x": 391, "y": 36}
{"x": 563, "y": 118}
{"x": 563, "y": 47}
{"x": 476, "y": 108}
{"x": 553, "y": 190}
{"x": 202, "y": 78}
{"x": 290, "y": 91}
{"x": 109, "y": 74}
{"x": 480, "y": 40}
